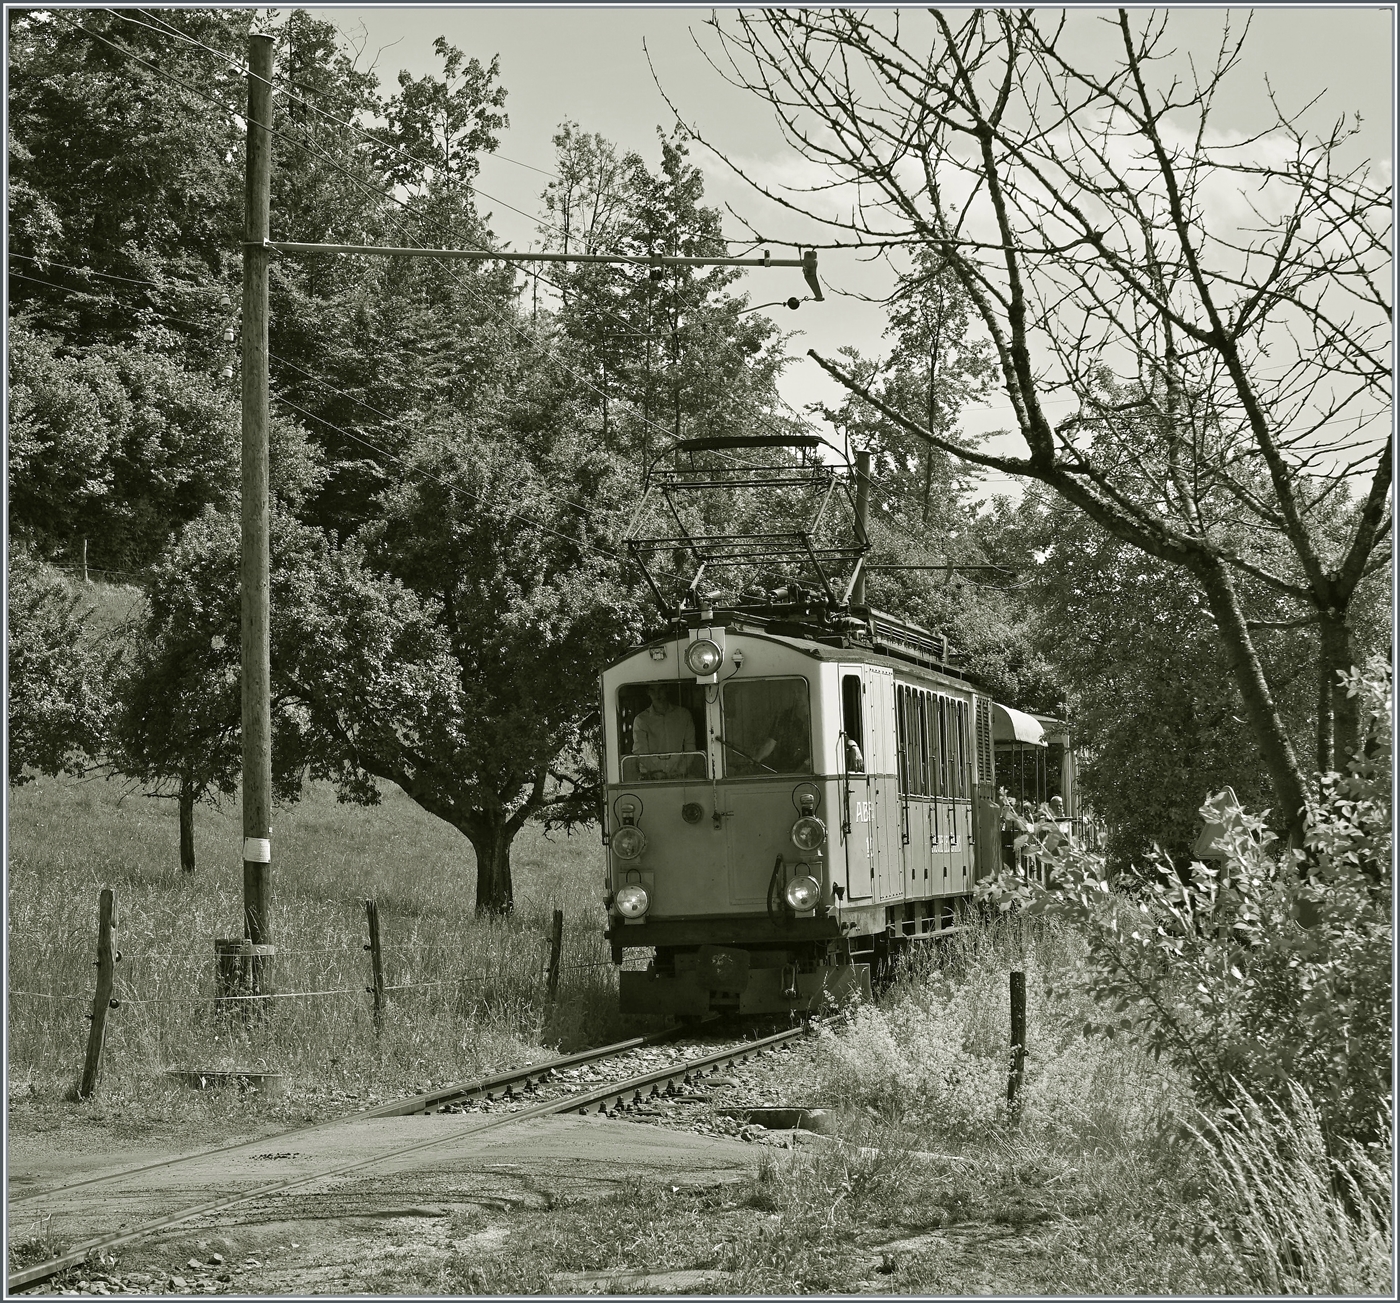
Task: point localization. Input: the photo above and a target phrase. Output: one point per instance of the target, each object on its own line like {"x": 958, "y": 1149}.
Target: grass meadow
{"x": 475, "y": 996}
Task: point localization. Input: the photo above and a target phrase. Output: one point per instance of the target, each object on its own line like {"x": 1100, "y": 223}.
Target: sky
{"x": 600, "y": 67}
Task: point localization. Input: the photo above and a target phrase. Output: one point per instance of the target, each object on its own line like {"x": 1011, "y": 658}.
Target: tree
{"x": 1156, "y": 712}
{"x": 1208, "y": 360}
{"x": 176, "y": 727}
{"x": 453, "y": 646}
{"x": 938, "y": 366}
{"x": 678, "y": 356}
{"x": 120, "y": 167}
{"x": 438, "y": 126}
{"x": 57, "y": 681}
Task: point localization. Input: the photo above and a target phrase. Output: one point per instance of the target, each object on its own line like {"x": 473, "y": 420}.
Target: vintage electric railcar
{"x": 835, "y": 794}
{"x": 795, "y": 785}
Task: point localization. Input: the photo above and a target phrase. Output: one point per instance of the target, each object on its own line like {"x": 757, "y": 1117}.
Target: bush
{"x": 58, "y": 683}
{"x": 1273, "y": 967}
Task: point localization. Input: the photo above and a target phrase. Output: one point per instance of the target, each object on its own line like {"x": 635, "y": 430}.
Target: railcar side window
{"x": 926, "y": 775}
{"x": 943, "y": 788}
{"x": 901, "y": 710}
{"x": 962, "y": 749}
{"x": 767, "y": 727}
{"x": 661, "y": 731}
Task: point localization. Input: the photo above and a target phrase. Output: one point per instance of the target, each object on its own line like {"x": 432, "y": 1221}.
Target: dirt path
{"x": 325, "y": 1236}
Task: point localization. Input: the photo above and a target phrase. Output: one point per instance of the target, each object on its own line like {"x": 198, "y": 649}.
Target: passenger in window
{"x": 855, "y": 762}
{"x": 786, "y": 749}
{"x": 663, "y": 727}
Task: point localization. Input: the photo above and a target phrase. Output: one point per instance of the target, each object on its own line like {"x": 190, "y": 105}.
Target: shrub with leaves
{"x": 58, "y": 683}
{"x": 1271, "y": 965}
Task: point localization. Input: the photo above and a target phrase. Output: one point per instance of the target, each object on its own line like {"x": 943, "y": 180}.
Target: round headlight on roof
{"x": 631, "y": 900}
{"x": 703, "y": 657}
{"x": 628, "y": 842}
{"x": 802, "y": 894}
{"x": 808, "y": 833}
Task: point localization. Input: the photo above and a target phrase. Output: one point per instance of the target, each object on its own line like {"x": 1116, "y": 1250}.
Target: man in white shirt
{"x": 663, "y": 728}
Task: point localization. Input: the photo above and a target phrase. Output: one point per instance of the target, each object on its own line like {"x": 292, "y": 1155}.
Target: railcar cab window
{"x": 767, "y": 727}
{"x": 658, "y": 726}
{"x": 852, "y": 724}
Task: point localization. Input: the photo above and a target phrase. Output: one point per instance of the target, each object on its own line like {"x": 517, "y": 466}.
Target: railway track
{"x": 562, "y": 1085}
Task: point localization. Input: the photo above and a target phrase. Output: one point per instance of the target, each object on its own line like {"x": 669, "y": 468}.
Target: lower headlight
{"x": 808, "y": 833}
{"x": 632, "y": 900}
{"x": 803, "y": 894}
{"x": 628, "y": 842}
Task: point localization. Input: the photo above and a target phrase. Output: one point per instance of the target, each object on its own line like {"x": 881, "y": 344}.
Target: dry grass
{"x": 1293, "y": 1220}
{"x": 478, "y": 997}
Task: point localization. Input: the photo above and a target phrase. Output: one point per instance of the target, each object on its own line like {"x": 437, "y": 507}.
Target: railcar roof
{"x": 822, "y": 651}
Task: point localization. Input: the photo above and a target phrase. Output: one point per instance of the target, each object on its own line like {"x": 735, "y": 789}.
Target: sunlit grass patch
{"x": 473, "y": 996}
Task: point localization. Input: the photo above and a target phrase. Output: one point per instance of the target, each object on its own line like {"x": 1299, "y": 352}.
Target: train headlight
{"x": 808, "y": 833}
{"x": 703, "y": 657}
{"x": 632, "y": 900}
{"x": 802, "y": 894}
{"x": 628, "y": 842}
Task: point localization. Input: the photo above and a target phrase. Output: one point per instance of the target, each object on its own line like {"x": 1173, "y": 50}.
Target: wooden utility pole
{"x": 102, "y": 999}
{"x": 257, "y": 685}
{"x": 862, "y": 521}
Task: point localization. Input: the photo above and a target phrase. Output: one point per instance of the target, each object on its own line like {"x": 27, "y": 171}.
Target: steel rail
{"x": 424, "y": 1103}
{"x": 601, "y": 1099}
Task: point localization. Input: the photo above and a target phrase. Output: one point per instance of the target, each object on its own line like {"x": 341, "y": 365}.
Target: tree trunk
{"x": 1274, "y": 743}
{"x": 491, "y": 842}
{"x": 186, "y": 825}
{"x": 1338, "y": 721}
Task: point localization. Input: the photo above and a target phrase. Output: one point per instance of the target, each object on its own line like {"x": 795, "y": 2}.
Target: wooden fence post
{"x": 1017, "y": 1077}
{"x": 556, "y": 945}
{"x": 376, "y": 959}
{"x": 102, "y": 999}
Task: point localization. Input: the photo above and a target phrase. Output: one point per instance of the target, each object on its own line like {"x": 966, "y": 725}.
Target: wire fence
{"x": 521, "y": 969}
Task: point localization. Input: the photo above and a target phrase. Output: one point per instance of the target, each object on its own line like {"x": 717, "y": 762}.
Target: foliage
{"x": 1264, "y": 969}
{"x": 438, "y": 126}
{"x": 121, "y": 172}
{"x": 1157, "y": 714}
{"x": 453, "y": 647}
{"x": 672, "y": 348}
{"x": 58, "y": 684}
{"x": 177, "y": 724}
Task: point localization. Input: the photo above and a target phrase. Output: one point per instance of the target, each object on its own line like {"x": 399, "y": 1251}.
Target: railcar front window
{"x": 767, "y": 728}
{"x": 661, "y": 730}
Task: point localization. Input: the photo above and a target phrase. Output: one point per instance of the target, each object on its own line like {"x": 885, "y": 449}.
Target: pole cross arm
{"x": 808, "y": 261}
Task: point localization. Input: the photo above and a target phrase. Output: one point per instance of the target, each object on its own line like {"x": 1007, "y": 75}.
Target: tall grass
{"x": 935, "y": 1052}
{"x": 1294, "y": 1220}
{"x": 476, "y": 997}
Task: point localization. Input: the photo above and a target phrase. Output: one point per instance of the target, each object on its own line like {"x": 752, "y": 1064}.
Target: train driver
{"x": 663, "y": 728}
{"x": 787, "y": 749}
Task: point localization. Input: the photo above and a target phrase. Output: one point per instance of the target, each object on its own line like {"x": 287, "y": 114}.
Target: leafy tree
{"x": 674, "y": 352}
{"x": 439, "y": 126}
{"x": 1203, "y": 358}
{"x": 118, "y": 169}
{"x": 57, "y": 681}
{"x": 938, "y": 365}
{"x": 1156, "y": 710}
{"x": 177, "y": 725}
{"x": 452, "y": 647}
